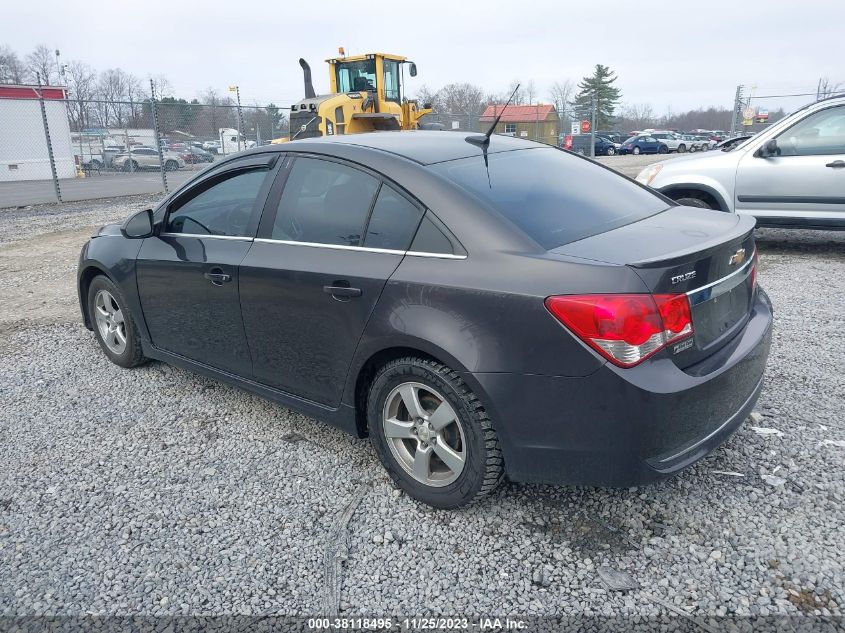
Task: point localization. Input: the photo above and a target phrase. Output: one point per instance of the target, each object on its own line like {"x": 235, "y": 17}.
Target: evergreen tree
{"x": 600, "y": 85}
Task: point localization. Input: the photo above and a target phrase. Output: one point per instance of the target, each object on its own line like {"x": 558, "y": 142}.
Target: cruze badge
{"x": 737, "y": 257}
{"x": 685, "y": 277}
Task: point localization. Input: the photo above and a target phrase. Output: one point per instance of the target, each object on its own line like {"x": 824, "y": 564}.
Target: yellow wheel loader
{"x": 366, "y": 95}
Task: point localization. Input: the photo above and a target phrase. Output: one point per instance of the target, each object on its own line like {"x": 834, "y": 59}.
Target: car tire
{"x": 114, "y": 326}
{"x": 410, "y": 447}
{"x": 663, "y": 149}
{"x": 611, "y": 151}
{"x": 682, "y": 148}
{"x": 693, "y": 201}
{"x": 637, "y": 151}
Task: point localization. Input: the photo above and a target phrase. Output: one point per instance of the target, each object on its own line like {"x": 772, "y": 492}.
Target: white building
{"x": 23, "y": 145}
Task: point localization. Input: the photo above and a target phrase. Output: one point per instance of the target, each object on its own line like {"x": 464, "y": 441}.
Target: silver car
{"x": 147, "y": 158}
{"x": 791, "y": 174}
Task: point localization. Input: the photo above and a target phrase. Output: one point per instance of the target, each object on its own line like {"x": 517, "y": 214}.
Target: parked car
{"x": 643, "y": 144}
{"x": 580, "y": 144}
{"x": 730, "y": 143}
{"x": 478, "y": 306}
{"x": 195, "y": 155}
{"x": 211, "y": 146}
{"x": 616, "y": 137}
{"x": 674, "y": 142}
{"x": 147, "y": 158}
{"x": 692, "y": 142}
{"x": 790, "y": 174}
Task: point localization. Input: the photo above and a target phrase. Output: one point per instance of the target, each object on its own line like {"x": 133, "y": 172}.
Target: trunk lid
{"x": 706, "y": 254}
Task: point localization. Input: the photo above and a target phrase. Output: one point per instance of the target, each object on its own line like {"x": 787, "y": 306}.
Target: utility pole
{"x": 237, "y": 91}
{"x": 738, "y": 107}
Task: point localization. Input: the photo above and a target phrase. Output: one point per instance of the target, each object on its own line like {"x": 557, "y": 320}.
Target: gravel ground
{"x": 157, "y": 491}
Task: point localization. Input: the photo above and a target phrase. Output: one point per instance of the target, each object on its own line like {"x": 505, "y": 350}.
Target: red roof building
{"x": 538, "y": 122}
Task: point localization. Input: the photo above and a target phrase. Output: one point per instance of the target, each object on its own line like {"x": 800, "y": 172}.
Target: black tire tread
{"x": 137, "y": 357}
{"x": 494, "y": 467}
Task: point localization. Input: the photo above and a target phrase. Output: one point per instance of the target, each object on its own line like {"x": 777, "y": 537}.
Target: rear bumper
{"x": 620, "y": 427}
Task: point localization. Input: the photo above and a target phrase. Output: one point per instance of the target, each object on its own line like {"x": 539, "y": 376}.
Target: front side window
{"x": 356, "y": 76}
{"x": 551, "y": 195}
{"x": 325, "y": 203}
{"x": 223, "y": 208}
{"x": 393, "y": 221}
{"x": 391, "y": 80}
{"x": 822, "y": 133}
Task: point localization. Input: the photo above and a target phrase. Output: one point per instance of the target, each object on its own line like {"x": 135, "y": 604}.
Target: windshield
{"x": 356, "y": 76}
{"x": 553, "y": 196}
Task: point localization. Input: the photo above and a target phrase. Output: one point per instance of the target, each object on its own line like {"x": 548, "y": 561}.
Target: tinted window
{"x": 553, "y": 196}
{"x": 324, "y": 202}
{"x": 820, "y": 133}
{"x": 225, "y": 208}
{"x": 430, "y": 239}
{"x": 393, "y": 221}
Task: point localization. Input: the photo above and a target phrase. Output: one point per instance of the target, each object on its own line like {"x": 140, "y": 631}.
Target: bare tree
{"x": 12, "y": 69}
{"x": 530, "y": 91}
{"x": 561, "y": 94}
{"x": 114, "y": 89}
{"x": 425, "y": 95}
{"x": 518, "y": 97}
{"x": 460, "y": 98}
{"x": 42, "y": 62}
{"x": 828, "y": 88}
{"x": 638, "y": 115}
{"x": 82, "y": 85}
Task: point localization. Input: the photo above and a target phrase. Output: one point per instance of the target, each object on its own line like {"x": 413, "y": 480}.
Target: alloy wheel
{"x": 110, "y": 322}
{"x": 424, "y": 434}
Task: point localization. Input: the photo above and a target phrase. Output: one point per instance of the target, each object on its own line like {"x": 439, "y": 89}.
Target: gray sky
{"x": 671, "y": 53}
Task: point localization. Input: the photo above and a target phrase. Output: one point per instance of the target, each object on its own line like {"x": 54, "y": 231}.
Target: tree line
{"x": 115, "y": 98}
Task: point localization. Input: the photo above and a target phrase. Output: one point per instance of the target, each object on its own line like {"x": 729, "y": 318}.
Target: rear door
{"x": 807, "y": 179}
{"x": 331, "y": 236}
{"x": 188, "y": 273}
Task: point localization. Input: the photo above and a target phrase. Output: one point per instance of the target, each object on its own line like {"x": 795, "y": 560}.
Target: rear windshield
{"x": 553, "y": 196}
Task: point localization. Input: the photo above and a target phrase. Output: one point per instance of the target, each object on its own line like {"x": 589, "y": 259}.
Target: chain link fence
{"x": 54, "y": 148}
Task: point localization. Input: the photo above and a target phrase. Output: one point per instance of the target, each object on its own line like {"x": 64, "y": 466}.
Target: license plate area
{"x": 720, "y": 309}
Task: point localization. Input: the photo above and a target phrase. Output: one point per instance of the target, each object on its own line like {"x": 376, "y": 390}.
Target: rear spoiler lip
{"x": 742, "y": 229}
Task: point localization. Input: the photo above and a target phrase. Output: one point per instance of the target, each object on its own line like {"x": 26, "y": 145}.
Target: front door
{"x": 316, "y": 271}
{"x": 806, "y": 180}
{"x": 188, "y": 273}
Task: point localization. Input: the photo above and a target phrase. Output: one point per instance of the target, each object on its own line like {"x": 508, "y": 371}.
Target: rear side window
{"x": 430, "y": 238}
{"x": 393, "y": 221}
{"x": 551, "y": 195}
{"x": 324, "y": 202}
{"x": 224, "y": 208}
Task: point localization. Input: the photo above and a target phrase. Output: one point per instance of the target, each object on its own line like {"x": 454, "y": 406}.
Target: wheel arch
{"x": 84, "y": 279}
{"x": 369, "y": 364}
{"x": 673, "y": 190}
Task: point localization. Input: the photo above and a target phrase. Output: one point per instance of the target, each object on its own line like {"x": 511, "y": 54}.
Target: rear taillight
{"x": 625, "y": 329}
{"x": 754, "y": 263}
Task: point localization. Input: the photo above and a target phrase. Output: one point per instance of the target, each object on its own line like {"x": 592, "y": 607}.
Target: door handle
{"x": 217, "y": 277}
{"x": 342, "y": 292}
{"x": 837, "y": 164}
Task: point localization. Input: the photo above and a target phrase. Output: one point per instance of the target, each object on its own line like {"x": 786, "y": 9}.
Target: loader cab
{"x": 374, "y": 72}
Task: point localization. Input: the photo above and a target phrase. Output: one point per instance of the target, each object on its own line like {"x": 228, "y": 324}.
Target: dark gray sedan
{"x": 479, "y": 309}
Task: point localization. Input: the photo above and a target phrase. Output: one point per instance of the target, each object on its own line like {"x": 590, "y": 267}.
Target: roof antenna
{"x": 484, "y": 141}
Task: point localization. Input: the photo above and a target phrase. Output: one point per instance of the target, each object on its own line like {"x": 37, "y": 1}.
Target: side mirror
{"x": 769, "y": 148}
{"x": 413, "y": 69}
{"x": 139, "y": 225}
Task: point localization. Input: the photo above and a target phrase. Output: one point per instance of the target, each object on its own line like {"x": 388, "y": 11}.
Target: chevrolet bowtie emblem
{"x": 737, "y": 258}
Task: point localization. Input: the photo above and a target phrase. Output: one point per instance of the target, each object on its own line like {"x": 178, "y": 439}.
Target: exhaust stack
{"x": 309, "y": 87}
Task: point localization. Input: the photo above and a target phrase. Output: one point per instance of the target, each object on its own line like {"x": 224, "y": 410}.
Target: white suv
{"x": 675, "y": 142}
{"x": 791, "y": 174}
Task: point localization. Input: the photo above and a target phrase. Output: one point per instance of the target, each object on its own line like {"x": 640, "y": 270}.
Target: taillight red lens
{"x": 754, "y": 270}
{"x": 624, "y": 328}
